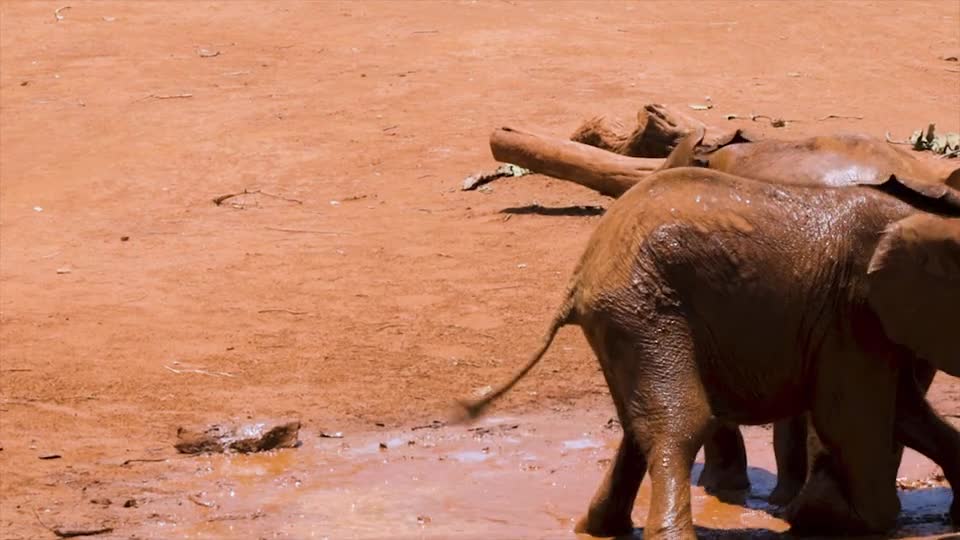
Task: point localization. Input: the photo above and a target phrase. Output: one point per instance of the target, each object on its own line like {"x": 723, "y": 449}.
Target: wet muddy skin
{"x": 503, "y": 477}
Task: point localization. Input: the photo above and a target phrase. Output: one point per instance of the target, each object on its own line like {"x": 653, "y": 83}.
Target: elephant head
{"x": 914, "y": 286}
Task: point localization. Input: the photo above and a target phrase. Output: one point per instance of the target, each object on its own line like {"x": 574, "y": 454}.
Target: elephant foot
{"x": 785, "y": 492}
{"x": 714, "y": 479}
{"x": 820, "y": 509}
{"x": 594, "y": 525}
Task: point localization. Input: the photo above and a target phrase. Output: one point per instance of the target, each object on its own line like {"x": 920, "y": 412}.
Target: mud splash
{"x": 505, "y": 477}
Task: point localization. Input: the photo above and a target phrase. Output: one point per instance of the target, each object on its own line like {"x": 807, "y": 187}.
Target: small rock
{"x": 124, "y": 238}
{"x": 38, "y": 209}
{"x": 49, "y": 456}
{"x": 101, "y": 502}
{"x": 131, "y": 503}
{"x": 383, "y": 446}
{"x": 423, "y": 520}
{"x": 483, "y": 390}
{"x": 331, "y": 435}
{"x": 63, "y": 270}
{"x": 244, "y": 439}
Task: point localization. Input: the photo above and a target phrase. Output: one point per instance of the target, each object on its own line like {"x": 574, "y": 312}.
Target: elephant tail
{"x": 471, "y": 409}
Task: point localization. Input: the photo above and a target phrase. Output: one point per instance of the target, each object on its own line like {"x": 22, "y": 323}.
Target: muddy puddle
{"x": 504, "y": 477}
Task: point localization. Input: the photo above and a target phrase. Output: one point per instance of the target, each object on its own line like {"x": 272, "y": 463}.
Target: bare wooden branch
{"x": 609, "y": 173}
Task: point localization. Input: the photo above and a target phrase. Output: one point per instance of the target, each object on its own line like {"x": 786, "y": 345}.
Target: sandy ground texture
{"x": 356, "y": 288}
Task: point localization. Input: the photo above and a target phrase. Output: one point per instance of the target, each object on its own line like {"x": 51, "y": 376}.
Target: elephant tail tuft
{"x": 471, "y": 409}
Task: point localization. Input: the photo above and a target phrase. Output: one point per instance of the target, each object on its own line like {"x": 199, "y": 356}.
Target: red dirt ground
{"x": 385, "y": 292}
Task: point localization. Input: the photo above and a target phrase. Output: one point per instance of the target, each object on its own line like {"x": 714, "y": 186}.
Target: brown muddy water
{"x": 503, "y": 477}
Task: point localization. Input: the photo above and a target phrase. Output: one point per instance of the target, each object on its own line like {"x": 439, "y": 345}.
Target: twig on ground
{"x": 166, "y": 96}
{"x": 236, "y": 517}
{"x": 434, "y": 424}
{"x": 283, "y": 310}
{"x": 387, "y": 326}
{"x": 281, "y": 197}
{"x": 282, "y": 229}
{"x": 841, "y": 116}
{"x": 222, "y": 198}
{"x": 196, "y": 500}
{"x": 143, "y": 460}
{"x": 775, "y": 122}
{"x": 200, "y": 372}
{"x": 71, "y": 533}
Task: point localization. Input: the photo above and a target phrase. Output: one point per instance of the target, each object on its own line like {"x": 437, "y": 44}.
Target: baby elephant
{"x": 713, "y": 299}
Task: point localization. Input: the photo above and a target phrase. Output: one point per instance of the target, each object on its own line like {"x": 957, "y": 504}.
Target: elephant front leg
{"x": 725, "y": 460}
{"x": 609, "y": 513}
{"x": 921, "y": 428}
{"x": 851, "y": 488}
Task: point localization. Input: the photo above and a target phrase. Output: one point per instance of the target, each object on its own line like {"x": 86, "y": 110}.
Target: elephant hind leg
{"x": 670, "y": 416}
{"x": 610, "y": 509}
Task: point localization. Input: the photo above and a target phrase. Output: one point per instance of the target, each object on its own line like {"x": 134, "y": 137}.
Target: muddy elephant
{"x": 713, "y": 299}
{"x": 829, "y": 160}
{"x": 833, "y": 161}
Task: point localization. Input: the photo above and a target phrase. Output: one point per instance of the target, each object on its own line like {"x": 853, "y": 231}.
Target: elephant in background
{"x": 711, "y": 299}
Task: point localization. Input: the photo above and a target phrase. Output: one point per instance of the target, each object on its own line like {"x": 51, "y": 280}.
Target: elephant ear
{"x": 939, "y": 197}
{"x": 954, "y": 179}
{"x": 914, "y": 287}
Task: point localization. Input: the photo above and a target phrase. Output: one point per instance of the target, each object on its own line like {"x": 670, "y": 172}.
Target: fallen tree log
{"x": 604, "y": 163}
{"x": 607, "y": 172}
{"x": 602, "y": 157}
